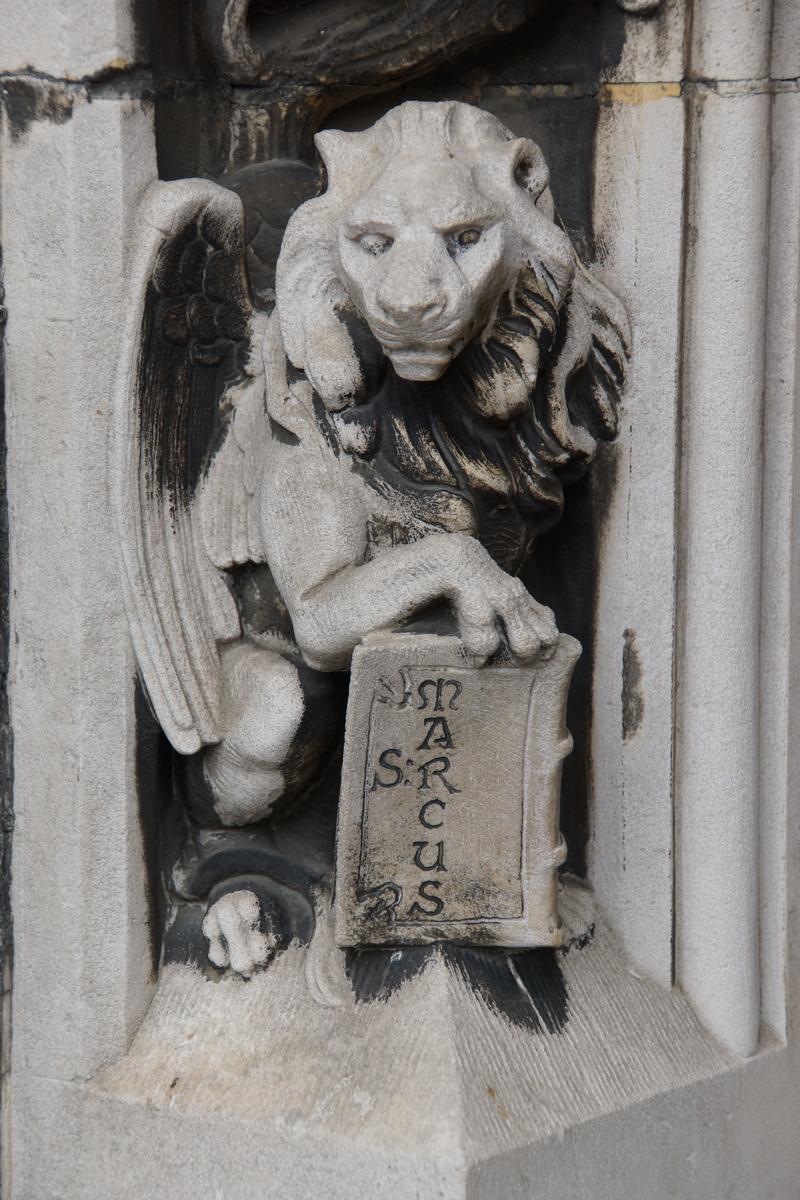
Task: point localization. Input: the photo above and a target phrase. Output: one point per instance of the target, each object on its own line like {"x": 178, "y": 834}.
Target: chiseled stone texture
{"x": 785, "y": 41}
{"x": 257, "y": 1091}
{"x": 397, "y": 1098}
{"x": 720, "y": 582}
{"x": 731, "y": 42}
{"x": 67, "y": 39}
{"x": 82, "y": 969}
{"x": 780, "y": 745}
{"x": 638, "y": 204}
{"x": 283, "y": 1086}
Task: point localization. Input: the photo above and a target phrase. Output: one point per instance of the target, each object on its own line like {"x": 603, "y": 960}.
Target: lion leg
{"x": 280, "y": 722}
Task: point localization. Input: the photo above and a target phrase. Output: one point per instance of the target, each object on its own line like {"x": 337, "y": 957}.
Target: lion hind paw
{"x": 240, "y": 937}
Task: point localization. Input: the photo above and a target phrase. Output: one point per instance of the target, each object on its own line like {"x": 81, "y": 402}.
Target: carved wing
{"x": 187, "y": 395}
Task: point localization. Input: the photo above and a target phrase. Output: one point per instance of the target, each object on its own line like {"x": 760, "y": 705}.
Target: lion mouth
{"x": 419, "y": 365}
{"x": 419, "y": 360}
{"x": 416, "y": 338}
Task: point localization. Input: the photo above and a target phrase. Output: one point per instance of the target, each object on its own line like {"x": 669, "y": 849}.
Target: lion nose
{"x": 408, "y": 309}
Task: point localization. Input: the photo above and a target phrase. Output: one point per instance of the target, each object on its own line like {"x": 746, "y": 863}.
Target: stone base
{"x": 256, "y": 1090}
{"x": 286, "y": 1087}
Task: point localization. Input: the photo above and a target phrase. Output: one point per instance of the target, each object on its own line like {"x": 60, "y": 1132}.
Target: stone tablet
{"x": 448, "y": 821}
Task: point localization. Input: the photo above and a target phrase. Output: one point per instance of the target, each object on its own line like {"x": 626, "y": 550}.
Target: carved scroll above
{"x": 641, "y": 8}
{"x": 335, "y": 46}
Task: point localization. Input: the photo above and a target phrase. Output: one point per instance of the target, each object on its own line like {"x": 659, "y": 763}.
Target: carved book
{"x": 448, "y": 818}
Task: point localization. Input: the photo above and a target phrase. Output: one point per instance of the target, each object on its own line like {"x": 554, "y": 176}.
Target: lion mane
{"x": 520, "y": 410}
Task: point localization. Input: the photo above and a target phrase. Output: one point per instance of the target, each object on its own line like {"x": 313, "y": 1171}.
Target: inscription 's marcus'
{"x": 430, "y": 899}
{"x": 441, "y": 825}
{"x": 448, "y": 820}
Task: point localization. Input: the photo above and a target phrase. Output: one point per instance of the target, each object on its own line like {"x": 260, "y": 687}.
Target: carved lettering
{"x": 381, "y": 901}
{"x": 416, "y": 908}
{"x": 439, "y": 685}
{"x": 423, "y": 814}
{"x": 397, "y": 772}
{"x": 439, "y": 726}
{"x": 438, "y": 862}
{"x": 437, "y": 767}
{"x": 393, "y": 698}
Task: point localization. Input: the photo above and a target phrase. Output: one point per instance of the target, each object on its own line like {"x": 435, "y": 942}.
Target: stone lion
{"x": 393, "y": 436}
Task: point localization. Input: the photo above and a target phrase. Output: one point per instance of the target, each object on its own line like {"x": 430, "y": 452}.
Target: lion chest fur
{"x": 432, "y": 465}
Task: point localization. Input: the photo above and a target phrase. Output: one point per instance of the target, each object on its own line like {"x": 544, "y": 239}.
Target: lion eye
{"x": 456, "y": 242}
{"x": 468, "y": 237}
{"x": 375, "y": 243}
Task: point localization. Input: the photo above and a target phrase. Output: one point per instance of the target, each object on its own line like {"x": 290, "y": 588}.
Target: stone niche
{"x": 398, "y": 575}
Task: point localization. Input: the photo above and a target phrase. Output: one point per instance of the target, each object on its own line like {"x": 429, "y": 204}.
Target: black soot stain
{"x": 153, "y": 781}
{"x": 27, "y": 101}
{"x": 632, "y": 695}
{"x": 526, "y": 987}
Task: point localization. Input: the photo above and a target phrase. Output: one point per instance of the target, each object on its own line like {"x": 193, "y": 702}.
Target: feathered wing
{"x": 186, "y": 388}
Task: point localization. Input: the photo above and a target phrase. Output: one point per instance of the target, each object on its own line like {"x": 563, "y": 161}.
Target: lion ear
{"x": 530, "y": 172}
{"x": 344, "y": 156}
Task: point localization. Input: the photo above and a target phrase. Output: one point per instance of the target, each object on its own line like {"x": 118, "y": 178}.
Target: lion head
{"x": 435, "y": 249}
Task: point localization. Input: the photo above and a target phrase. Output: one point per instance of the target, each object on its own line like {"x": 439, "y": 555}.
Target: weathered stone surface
{"x": 251, "y": 1090}
{"x": 275, "y": 1086}
{"x": 448, "y": 821}
{"x": 82, "y": 960}
{"x": 637, "y": 215}
{"x": 720, "y": 587}
{"x": 344, "y": 48}
{"x": 427, "y": 434}
{"x": 67, "y": 38}
{"x": 781, "y": 576}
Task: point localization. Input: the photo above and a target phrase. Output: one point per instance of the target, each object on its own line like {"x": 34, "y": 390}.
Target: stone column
{"x": 780, "y": 745}
{"x": 76, "y": 155}
{"x": 717, "y": 718}
{"x": 638, "y": 216}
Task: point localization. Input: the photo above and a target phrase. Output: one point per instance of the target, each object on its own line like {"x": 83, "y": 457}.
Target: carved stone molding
{"x": 316, "y": 47}
{"x": 302, "y": 60}
{"x": 643, "y": 8}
